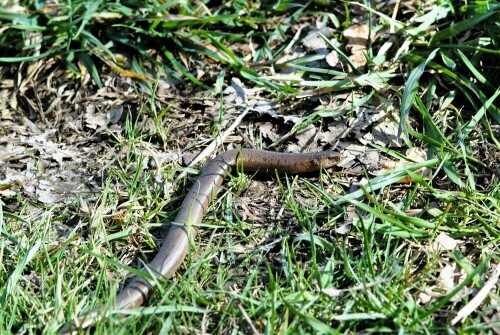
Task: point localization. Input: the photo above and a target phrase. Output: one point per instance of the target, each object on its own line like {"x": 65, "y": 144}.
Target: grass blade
{"x": 410, "y": 91}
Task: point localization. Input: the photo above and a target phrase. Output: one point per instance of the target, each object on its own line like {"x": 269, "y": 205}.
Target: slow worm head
{"x": 176, "y": 245}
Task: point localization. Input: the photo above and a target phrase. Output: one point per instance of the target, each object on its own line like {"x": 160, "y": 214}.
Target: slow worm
{"x": 176, "y": 245}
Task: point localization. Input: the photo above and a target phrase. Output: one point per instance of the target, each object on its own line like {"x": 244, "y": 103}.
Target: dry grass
{"x": 104, "y": 105}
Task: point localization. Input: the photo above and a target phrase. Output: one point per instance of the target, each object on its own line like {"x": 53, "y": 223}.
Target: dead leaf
{"x": 443, "y": 242}
{"x": 313, "y": 41}
{"x": 357, "y": 42}
{"x": 93, "y": 119}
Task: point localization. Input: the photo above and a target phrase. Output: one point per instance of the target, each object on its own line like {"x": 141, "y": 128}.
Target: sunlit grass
{"x": 303, "y": 272}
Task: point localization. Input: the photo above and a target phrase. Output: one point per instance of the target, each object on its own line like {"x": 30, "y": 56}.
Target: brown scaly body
{"x": 176, "y": 245}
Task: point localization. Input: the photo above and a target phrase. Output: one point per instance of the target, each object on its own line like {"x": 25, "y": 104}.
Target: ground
{"x": 101, "y": 139}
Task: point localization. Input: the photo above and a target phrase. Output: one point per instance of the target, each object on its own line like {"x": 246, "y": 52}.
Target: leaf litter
{"x": 59, "y": 134}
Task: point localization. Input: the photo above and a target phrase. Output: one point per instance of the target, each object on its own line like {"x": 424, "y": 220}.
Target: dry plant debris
{"x": 99, "y": 144}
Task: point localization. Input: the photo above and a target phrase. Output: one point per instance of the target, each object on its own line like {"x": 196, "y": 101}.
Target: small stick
{"x": 480, "y": 296}
{"x": 213, "y": 145}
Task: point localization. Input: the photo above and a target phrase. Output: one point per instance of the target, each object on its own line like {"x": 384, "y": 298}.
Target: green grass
{"x": 293, "y": 269}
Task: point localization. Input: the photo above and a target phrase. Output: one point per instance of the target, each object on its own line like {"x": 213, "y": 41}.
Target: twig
{"x": 480, "y": 296}
{"x": 215, "y": 143}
